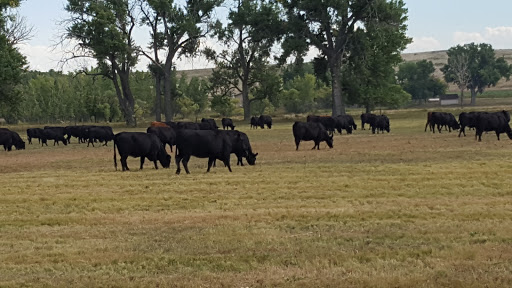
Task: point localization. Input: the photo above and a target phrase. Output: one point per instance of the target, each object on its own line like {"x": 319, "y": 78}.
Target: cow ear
{"x": 256, "y": 154}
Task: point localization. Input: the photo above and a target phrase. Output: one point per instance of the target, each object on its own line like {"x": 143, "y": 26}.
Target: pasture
{"x": 405, "y": 209}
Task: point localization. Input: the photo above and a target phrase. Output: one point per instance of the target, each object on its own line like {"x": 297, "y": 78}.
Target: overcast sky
{"x": 433, "y": 25}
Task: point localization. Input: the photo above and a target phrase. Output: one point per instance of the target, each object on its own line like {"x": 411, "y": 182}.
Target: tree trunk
{"x": 368, "y": 108}
{"x": 337, "y": 101}
{"x": 473, "y": 97}
{"x": 167, "y": 96}
{"x": 158, "y": 97}
{"x": 461, "y": 97}
{"x": 245, "y": 101}
{"x": 127, "y": 107}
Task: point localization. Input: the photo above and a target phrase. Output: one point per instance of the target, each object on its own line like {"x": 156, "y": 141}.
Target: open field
{"x": 405, "y": 209}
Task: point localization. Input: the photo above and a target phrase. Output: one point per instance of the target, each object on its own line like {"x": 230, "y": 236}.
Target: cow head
{"x": 251, "y": 158}
{"x": 165, "y": 160}
{"x": 328, "y": 140}
{"x": 349, "y": 130}
{"x": 20, "y": 145}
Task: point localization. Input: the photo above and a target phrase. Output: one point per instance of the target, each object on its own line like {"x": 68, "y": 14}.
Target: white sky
{"x": 433, "y": 25}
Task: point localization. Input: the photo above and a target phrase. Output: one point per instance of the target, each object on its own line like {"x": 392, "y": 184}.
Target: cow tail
{"x": 115, "y": 158}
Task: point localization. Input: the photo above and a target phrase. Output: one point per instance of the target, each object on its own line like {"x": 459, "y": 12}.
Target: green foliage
{"x": 346, "y": 31}
{"x": 300, "y": 95}
{"x": 483, "y": 69}
{"x": 252, "y": 30}
{"x": 417, "y": 79}
{"x": 225, "y": 105}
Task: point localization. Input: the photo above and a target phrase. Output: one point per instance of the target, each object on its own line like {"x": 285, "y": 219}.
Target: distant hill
{"x": 439, "y": 58}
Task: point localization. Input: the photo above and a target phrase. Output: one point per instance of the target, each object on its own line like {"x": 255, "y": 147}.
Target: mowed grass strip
{"x": 407, "y": 209}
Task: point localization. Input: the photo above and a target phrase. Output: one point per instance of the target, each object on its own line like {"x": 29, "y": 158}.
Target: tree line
{"x": 358, "y": 63}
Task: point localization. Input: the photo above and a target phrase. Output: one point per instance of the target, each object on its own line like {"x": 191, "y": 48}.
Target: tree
{"x": 183, "y": 27}
{"x": 12, "y": 65}
{"x": 482, "y": 67}
{"x": 330, "y": 26}
{"x": 104, "y": 31}
{"x": 253, "y": 28}
{"x": 417, "y": 79}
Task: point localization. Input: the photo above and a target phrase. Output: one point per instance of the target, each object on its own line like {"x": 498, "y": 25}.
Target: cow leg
{"x": 297, "y": 144}
{"x": 178, "y": 158}
{"x": 211, "y": 160}
{"x": 123, "y": 163}
{"x": 185, "y": 163}
{"x": 142, "y": 158}
{"x": 498, "y": 135}
{"x": 29, "y": 140}
{"x": 240, "y": 160}
{"x": 156, "y": 165}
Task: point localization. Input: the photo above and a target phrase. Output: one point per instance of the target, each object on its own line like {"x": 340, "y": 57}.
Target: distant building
{"x": 449, "y": 99}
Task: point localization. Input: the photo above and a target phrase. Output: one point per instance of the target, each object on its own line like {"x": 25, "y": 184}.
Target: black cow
{"x": 379, "y": 123}
{"x": 241, "y": 147}
{"x": 328, "y": 122}
{"x": 34, "y": 133}
{"x": 166, "y": 134}
{"x": 79, "y": 132}
{"x": 189, "y": 126}
{"x": 101, "y": 134}
{"x": 367, "y": 118}
{"x": 265, "y": 120}
{"x": 443, "y": 119}
{"x": 211, "y": 144}
{"x": 227, "y": 122}
{"x": 53, "y": 133}
{"x": 311, "y": 131}
{"x": 343, "y": 122}
{"x": 140, "y": 144}
{"x": 497, "y": 122}
{"x": 255, "y": 122}
{"x": 213, "y": 124}
{"x": 467, "y": 119}
{"x": 10, "y": 138}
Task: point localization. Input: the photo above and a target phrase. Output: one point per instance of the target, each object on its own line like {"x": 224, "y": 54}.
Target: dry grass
{"x": 405, "y": 209}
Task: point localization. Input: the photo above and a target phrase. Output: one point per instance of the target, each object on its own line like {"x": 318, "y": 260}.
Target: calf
{"x": 227, "y": 122}
{"x": 140, "y": 144}
{"x": 367, "y": 118}
{"x": 265, "y": 120}
{"x": 211, "y": 144}
{"x": 101, "y": 134}
{"x": 380, "y": 123}
{"x": 343, "y": 122}
{"x": 34, "y": 133}
{"x": 166, "y": 134}
{"x": 310, "y": 131}
{"x": 254, "y": 122}
{"x": 241, "y": 147}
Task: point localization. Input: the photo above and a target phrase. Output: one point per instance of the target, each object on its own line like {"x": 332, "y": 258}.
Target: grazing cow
{"x": 497, "y": 122}
{"x": 227, "y": 122}
{"x": 367, "y": 118}
{"x": 265, "y": 120}
{"x": 213, "y": 124}
{"x": 467, "y": 120}
{"x": 241, "y": 147}
{"x": 172, "y": 124}
{"x": 211, "y": 144}
{"x": 254, "y": 122}
{"x": 101, "y": 134}
{"x": 34, "y": 133}
{"x": 166, "y": 134}
{"x": 343, "y": 122}
{"x": 380, "y": 123}
{"x": 311, "y": 131}
{"x": 53, "y": 133}
{"x": 10, "y": 138}
{"x": 140, "y": 144}
{"x": 443, "y": 119}
{"x": 328, "y": 122}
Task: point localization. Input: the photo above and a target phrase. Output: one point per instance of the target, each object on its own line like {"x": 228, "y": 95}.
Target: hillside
{"x": 439, "y": 58}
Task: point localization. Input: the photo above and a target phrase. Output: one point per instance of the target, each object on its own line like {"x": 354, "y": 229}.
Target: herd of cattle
{"x": 206, "y": 140}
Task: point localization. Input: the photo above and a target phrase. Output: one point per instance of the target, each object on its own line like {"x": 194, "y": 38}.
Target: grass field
{"x": 404, "y": 209}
